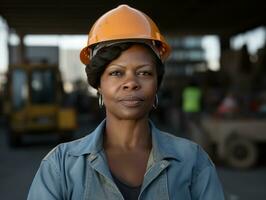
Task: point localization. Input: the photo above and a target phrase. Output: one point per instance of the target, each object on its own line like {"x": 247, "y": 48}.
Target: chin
{"x": 133, "y": 118}
{"x": 131, "y": 115}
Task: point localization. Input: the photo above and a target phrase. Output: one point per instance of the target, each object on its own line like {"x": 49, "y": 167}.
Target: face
{"x": 129, "y": 84}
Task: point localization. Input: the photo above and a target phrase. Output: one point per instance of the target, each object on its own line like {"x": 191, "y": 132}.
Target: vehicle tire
{"x": 241, "y": 153}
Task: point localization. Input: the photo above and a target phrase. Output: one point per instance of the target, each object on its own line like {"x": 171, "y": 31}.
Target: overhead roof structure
{"x": 219, "y": 17}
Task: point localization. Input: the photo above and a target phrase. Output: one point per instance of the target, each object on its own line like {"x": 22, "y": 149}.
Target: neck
{"x": 127, "y": 134}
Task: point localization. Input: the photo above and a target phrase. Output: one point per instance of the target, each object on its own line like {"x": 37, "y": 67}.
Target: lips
{"x": 131, "y": 101}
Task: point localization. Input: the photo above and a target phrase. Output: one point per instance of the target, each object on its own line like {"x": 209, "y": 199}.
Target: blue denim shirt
{"x": 78, "y": 170}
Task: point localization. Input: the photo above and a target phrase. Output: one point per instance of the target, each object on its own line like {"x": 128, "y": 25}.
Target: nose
{"x": 131, "y": 83}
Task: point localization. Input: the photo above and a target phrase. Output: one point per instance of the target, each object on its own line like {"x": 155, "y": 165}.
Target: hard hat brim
{"x": 85, "y": 52}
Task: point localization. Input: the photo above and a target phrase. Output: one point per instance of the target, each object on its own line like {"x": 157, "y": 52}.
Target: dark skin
{"x": 128, "y": 86}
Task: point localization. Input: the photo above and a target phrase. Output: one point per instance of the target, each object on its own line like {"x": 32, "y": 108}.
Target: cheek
{"x": 105, "y": 85}
{"x": 153, "y": 85}
{"x": 108, "y": 90}
{"x": 151, "y": 91}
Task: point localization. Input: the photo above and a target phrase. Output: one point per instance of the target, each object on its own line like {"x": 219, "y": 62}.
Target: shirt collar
{"x": 90, "y": 144}
{"x": 163, "y": 146}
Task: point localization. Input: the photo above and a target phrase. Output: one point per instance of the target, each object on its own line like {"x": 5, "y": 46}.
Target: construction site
{"x": 217, "y": 63}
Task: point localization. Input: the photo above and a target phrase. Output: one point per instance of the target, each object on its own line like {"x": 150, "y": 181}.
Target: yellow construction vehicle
{"x": 34, "y": 103}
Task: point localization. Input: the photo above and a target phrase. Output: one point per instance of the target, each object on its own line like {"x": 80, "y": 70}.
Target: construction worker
{"x": 192, "y": 98}
{"x": 126, "y": 156}
{"x": 192, "y": 108}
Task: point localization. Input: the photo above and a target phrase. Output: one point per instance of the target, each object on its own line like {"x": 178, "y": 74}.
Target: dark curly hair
{"x": 104, "y": 56}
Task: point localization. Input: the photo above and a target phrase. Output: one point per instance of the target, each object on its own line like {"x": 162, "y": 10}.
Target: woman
{"x": 126, "y": 157}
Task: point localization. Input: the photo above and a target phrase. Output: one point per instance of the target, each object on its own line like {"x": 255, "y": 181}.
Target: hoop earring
{"x": 100, "y": 101}
{"x": 155, "y": 105}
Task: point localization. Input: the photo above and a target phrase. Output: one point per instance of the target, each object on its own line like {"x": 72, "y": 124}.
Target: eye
{"x": 115, "y": 73}
{"x": 145, "y": 73}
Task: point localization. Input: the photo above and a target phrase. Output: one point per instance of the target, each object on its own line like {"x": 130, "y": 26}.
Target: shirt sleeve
{"x": 205, "y": 183}
{"x": 46, "y": 183}
{"x": 207, "y": 186}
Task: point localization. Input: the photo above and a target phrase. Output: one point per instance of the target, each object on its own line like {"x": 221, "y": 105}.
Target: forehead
{"x": 136, "y": 54}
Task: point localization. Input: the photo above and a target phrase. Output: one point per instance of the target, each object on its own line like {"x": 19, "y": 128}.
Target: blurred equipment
{"x": 34, "y": 103}
{"x": 237, "y": 140}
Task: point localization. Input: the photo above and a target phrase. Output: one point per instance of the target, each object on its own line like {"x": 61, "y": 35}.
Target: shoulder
{"x": 196, "y": 166}
{"x": 74, "y": 148}
{"x": 185, "y": 151}
{"x": 92, "y": 143}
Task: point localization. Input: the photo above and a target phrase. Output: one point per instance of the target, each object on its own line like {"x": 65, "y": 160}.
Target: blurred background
{"x": 213, "y": 92}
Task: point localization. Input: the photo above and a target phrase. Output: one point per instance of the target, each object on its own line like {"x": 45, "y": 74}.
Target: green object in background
{"x": 191, "y": 99}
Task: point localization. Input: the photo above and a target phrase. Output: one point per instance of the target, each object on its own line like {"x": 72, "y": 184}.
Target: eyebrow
{"x": 123, "y": 66}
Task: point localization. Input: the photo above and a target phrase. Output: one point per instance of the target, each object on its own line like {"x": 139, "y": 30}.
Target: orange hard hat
{"x": 124, "y": 23}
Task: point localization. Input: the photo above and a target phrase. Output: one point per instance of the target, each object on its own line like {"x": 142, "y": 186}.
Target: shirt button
{"x": 92, "y": 157}
{"x": 163, "y": 164}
